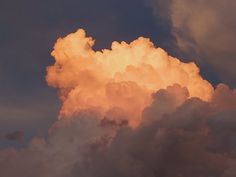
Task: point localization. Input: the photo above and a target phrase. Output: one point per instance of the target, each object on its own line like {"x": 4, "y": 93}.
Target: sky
{"x": 54, "y": 93}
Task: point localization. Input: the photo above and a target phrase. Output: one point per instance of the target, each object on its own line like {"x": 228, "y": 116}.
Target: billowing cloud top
{"x": 123, "y": 77}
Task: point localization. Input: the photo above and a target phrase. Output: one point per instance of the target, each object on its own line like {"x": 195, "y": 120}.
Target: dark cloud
{"x": 177, "y": 144}
{"x": 15, "y": 136}
{"x": 190, "y": 138}
{"x": 165, "y": 101}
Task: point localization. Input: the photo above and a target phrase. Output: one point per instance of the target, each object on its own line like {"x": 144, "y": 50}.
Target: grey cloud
{"x": 177, "y": 144}
{"x": 15, "y": 136}
{"x": 206, "y": 28}
{"x": 189, "y": 138}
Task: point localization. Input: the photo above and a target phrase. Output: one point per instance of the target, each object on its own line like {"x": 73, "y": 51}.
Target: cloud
{"x": 177, "y": 144}
{"x": 114, "y": 78}
{"x": 183, "y": 129}
{"x": 15, "y": 136}
{"x": 206, "y": 28}
{"x": 192, "y": 138}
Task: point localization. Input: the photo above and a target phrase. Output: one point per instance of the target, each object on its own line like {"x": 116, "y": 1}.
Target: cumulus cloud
{"x": 186, "y": 128}
{"x": 206, "y": 28}
{"x": 114, "y": 78}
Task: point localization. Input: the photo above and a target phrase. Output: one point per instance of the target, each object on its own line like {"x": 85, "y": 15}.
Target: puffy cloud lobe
{"x": 165, "y": 101}
{"x": 114, "y": 78}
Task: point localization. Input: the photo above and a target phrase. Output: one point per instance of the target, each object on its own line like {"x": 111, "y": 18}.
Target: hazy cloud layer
{"x": 206, "y": 29}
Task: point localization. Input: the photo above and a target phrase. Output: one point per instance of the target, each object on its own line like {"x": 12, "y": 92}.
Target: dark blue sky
{"x": 28, "y": 31}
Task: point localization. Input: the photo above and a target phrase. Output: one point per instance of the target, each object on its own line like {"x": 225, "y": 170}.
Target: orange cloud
{"x": 123, "y": 77}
